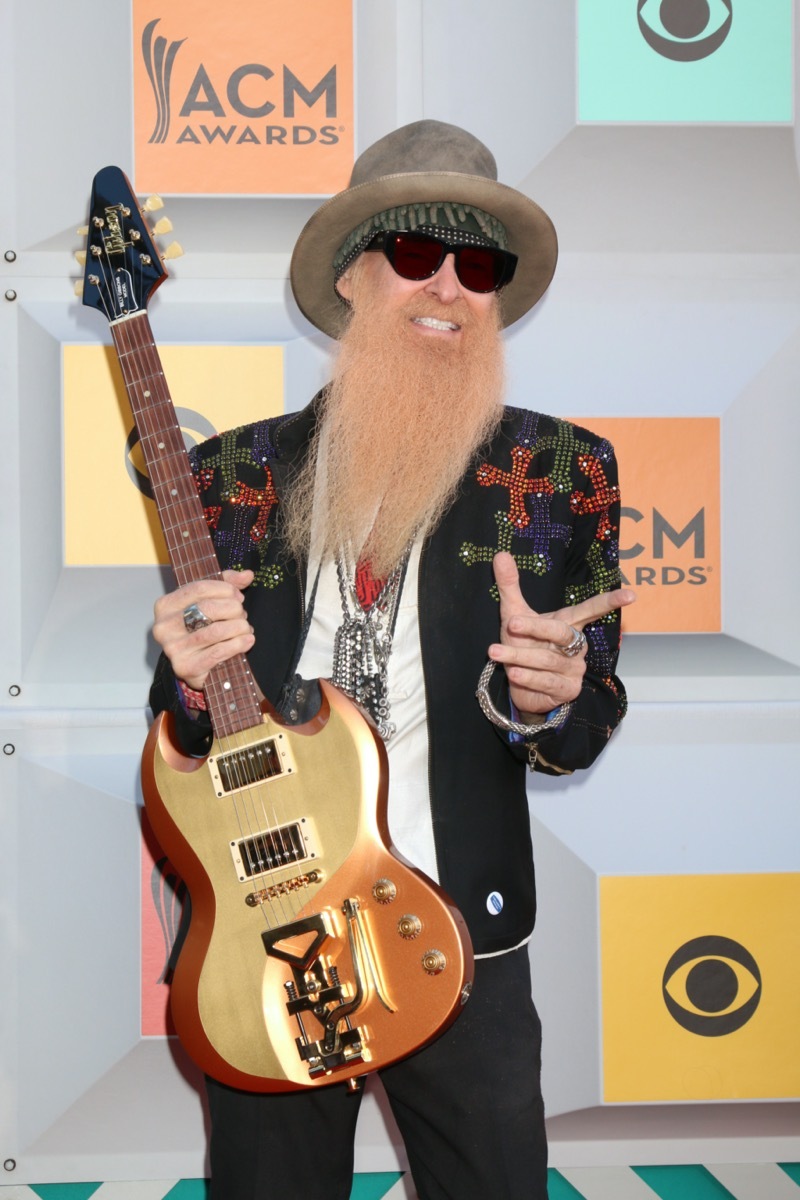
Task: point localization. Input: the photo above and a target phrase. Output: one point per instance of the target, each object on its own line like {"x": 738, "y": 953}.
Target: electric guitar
{"x": 314, "y": 953}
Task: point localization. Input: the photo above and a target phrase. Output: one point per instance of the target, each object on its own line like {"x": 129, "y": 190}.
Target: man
{"x": 425, "y": 530}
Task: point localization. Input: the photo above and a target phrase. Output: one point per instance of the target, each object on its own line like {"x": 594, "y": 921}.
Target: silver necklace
{"x": 363, "y": 643}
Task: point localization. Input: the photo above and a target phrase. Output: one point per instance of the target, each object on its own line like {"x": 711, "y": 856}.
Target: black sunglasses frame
{"x": 503, "y": 261}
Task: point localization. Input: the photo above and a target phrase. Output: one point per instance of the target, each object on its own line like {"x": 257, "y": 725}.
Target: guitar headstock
{"x": 123, "y": 266}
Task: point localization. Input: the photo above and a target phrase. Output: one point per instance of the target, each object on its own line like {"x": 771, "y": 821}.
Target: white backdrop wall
{"x": 677, "y": 294}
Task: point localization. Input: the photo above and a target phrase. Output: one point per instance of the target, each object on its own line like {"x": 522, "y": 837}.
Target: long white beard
{"x": 403, "y": 418}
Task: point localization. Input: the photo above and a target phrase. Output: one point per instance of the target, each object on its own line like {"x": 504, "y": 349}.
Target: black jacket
{"x": 543, "y": 489}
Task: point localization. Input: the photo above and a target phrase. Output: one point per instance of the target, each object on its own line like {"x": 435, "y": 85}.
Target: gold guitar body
{"x": 314, "y": 953}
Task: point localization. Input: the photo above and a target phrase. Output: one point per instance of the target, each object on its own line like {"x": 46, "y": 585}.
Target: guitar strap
{"x": 301, "y": 698}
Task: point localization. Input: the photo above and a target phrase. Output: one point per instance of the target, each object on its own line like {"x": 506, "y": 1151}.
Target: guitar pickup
{"x": 273, "y": 849}
{"x": 257, "y": 762}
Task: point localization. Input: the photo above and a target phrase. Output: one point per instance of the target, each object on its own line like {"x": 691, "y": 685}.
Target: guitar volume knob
{"x": 409, "y": 927}
{"x": 384, "y": 891}
{"x": 433, "y": 962}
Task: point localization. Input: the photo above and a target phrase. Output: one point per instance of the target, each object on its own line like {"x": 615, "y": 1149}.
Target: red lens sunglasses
{"x": 418, "y": 256}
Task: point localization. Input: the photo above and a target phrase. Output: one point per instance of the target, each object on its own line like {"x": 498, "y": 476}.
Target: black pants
{"x": 469, "y": 1108}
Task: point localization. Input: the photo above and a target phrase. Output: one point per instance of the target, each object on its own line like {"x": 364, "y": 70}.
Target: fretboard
{"x": 231, "y": 694}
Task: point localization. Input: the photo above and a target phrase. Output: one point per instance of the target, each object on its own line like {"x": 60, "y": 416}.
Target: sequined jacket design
{"x": 545, "y": 490}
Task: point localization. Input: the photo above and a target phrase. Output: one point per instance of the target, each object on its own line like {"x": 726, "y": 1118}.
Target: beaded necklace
{"x": 363, "y": 642}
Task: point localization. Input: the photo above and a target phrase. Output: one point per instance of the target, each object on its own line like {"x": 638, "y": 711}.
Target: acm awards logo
{"x": 711, "y": 986}
{"x": 203, "y": 101}
{"x": 685, "y": 30}
{"x": 661, "y": 532}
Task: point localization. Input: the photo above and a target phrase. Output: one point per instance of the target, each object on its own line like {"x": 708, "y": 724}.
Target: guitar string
{"x": 146, "y": 381}
{"x": 254, "y": 832}
{"x": 248, "y": 834}
{"x": 151, "y": 380}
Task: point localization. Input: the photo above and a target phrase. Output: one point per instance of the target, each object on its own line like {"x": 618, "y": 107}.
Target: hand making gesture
{"x": 544, "y": 654}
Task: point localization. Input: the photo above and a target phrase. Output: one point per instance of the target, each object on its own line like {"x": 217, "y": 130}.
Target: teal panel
{"x": 559, "y": 1188}
{"x": 372, "y": 1185}
{"x": 683, "y": 1183}
{"x": 188, "y": 1189}
{"x": 747, "y": 77}
{"x": 366, "y": 1186}
{"x": 64, "y": 1191}
{"x": 792, "y": 1170}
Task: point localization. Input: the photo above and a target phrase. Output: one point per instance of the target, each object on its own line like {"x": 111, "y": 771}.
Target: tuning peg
{"x": 82, "y": 231}
{"x": 78, "y": 289}
{"x": 163, "y": 226}
{"x": 153, "y": 204}
{"x": 80, "y": 257}
{"x": 174, "y": 250}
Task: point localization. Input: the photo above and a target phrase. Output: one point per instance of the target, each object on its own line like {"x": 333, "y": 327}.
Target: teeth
{"x": 433, "y": 323}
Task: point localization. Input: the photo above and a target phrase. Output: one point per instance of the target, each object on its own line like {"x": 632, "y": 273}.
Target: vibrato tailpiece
{"x": 317, "y": 993}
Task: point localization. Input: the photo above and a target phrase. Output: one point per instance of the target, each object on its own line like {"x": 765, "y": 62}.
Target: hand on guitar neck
{"x": 192, "y": 654}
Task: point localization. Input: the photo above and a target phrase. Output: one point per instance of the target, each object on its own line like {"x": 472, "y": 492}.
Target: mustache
{"x": 458, "y": 312}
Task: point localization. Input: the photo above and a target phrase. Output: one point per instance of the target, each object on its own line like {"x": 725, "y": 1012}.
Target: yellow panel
{"x": 733, "y": 1032}
{"x": 108, "y": 519}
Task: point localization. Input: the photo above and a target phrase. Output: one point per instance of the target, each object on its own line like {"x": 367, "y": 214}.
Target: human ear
{"x": 344, "y": 285}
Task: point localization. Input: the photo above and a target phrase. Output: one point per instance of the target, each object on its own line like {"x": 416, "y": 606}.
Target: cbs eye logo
{"x": 685, "y": 30}
{"x": 712, "y": 986}
{"x": 191, "y": 423}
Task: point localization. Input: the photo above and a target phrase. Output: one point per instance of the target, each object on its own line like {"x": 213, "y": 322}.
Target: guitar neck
{"x": 231, "y": 694}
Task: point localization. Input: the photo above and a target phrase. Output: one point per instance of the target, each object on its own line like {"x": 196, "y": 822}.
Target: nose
{"x": 444, "y": 284}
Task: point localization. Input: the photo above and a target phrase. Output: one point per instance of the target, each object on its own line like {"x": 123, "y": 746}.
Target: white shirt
{"x": 409, "y": 811}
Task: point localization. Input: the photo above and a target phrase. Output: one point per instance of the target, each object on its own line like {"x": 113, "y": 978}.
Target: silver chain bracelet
{"x": 527, "y": 732}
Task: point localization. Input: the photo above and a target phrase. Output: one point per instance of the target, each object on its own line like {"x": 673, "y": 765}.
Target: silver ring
{"x": 194, "y": 618}
{"x": 576, "y": 645}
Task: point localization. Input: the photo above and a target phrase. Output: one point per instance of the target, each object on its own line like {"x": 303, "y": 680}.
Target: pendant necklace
{"x": 363, "y": 642}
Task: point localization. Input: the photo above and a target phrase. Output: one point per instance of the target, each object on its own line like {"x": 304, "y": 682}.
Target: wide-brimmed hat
{"x": 427, "y": 162}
